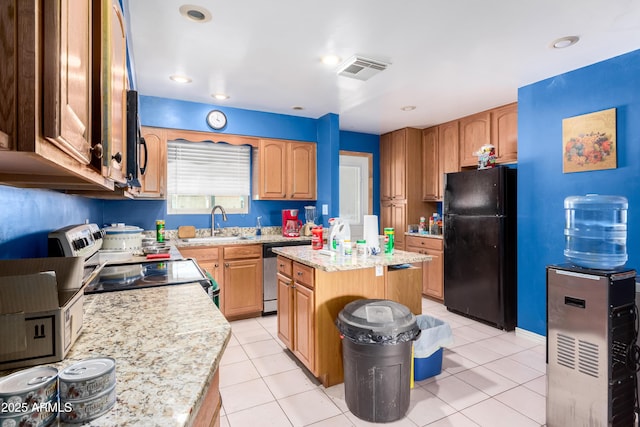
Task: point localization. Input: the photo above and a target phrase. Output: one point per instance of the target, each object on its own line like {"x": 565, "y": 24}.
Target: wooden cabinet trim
{"x": 303, "y": 274}
{"x": 242, "y": 251}
{"x": 285, "y": 266}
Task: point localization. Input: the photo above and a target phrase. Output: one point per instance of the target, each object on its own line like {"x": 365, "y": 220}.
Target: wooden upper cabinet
{"x": 8, "y": 74}
{"x": 284, "y": 170}
{"x": 46, "y": 80}
{"x": 396, "y": 164}
{"x": 117, "y": 104}
{"x": 430, "y": 165}
{"x": 302, "y": 171}
{"x": 109, "y": 123}
{"x": 272, "y": 164}
{"x": 475, "y": 131}
{"x": 67, "y": 73}
{"x": 399, "y": 161}
{"x": 448, "y": 143}
{"x": 504, "y": 132}
{"x": 154, "y": 158}
{"x": 386, "y": 159}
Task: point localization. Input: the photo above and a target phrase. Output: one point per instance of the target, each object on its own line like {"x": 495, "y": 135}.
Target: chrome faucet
{"x": 213, "y": 222}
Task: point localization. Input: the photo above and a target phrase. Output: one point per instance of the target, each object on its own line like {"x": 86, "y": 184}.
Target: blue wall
{"x": 27, "y": 217}
{"x": 542, "y": 186}
{"x": 177, "y": 114}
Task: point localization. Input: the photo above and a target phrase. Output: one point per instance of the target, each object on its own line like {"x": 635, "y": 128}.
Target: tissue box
{"x": 41, "y": 309}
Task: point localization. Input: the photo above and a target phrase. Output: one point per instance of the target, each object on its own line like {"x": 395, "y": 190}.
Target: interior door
{"x": 355, "y": 190}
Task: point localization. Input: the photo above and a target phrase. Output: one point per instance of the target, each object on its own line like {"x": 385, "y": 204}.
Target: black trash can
{"x": 377, "y": 337}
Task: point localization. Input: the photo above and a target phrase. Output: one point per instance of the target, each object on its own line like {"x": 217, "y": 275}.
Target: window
{"x": 201, "y": 175}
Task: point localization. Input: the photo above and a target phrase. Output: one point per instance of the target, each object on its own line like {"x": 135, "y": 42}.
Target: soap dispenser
{"x": 258, "y": 226}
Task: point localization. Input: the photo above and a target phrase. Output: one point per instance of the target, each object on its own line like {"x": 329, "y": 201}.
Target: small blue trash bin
{"x": 427, "y": 367}
{"x": 427, "y": 349}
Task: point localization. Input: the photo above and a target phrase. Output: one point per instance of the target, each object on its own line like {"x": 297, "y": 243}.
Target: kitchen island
{"x": 167, "y": 343}
{"x": 314, "y": 286}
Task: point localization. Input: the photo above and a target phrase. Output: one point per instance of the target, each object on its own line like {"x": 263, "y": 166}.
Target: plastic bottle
{"x": 316, "y": 239}
{"x": 389, "y": 240}
{"x": 361, "y": 248}
{"x": 258, "y": 226}
{"x": 596, "y": 231}
{"x": 346, "y": 247}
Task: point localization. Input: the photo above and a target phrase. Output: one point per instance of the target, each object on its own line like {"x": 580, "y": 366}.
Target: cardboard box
{"x": 41, "y": 309}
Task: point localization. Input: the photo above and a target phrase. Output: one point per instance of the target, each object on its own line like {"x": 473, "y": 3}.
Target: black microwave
{"x": 134, "y": 142}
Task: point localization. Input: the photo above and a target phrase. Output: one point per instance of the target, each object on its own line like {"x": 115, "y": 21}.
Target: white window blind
{"x": 207, "y": 168}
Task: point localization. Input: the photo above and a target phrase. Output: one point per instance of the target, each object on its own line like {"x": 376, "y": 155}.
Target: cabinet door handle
{"x": 216, "y": 266}
{"x": 281, "y": 265}
{"x": 299, "y": 273}
{"x": 226, "y": 264}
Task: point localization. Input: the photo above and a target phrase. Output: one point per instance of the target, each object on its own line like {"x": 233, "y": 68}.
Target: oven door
{"x": 122, "y": 277}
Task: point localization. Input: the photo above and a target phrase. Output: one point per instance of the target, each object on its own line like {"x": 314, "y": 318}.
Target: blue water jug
{"x": 596, "y": 231}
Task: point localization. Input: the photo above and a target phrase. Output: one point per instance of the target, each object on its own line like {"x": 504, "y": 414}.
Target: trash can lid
{"x": 377, "y": 321}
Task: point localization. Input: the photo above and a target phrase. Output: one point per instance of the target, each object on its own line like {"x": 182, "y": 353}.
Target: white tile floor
{"x": 489, "y": 378}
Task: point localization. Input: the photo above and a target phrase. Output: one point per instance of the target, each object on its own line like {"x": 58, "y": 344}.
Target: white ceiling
{"x": 449, "y": 58}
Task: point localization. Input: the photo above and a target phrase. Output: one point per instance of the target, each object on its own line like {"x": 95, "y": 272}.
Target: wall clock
{"x": 216, "y": 119}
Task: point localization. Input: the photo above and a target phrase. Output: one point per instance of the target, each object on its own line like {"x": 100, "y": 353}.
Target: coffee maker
{"x": 290, "y": 223}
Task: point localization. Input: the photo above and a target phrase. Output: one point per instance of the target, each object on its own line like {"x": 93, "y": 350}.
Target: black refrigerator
{"x": 480, "y": 245}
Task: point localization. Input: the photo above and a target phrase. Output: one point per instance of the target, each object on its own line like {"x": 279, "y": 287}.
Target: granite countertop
{"x": 330, "y": 261}
{"x": 167, "y": 342}
{"x": 428, "y": 236}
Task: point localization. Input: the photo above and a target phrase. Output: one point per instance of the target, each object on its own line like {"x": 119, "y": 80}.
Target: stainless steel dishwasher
{"x": 269, "y": 271}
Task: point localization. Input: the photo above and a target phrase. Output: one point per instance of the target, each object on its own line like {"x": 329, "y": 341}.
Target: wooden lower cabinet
{"x": 241, "y": 290}
{"x": 238, "y": 271}
{"x": 303, "y": 324}
{"x": 402, "y": 285}
{"x": 432, "y": 271}
{"x": 296, "y": 310}
{"x": 208, "y": 414}
{"x": 310, "y": 299}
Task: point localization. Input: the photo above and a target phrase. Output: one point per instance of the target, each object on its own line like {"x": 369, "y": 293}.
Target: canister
{"x": 389, "y": 237}
{"x": 316, "y": 237}
{"x": 361, "y": 248}
{"x": 44, "y": 415}
{"x": 80, "y": 411}
{"x": 160, "y": 230}
{"x": 87, "y": 378}
{"x": 20, "y": 391}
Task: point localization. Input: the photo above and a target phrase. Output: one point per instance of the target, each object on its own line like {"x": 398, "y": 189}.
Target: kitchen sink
{"x": 213, "y": 239}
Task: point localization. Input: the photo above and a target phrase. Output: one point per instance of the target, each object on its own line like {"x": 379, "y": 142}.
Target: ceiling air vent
{"x": 361, "y": 68}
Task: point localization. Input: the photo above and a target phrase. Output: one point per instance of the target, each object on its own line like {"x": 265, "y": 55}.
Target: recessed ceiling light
{"x": 220, "y": 96}
{"x": 408, "y": 108}
{"x": 563, "y": 42}
{"x": 297, "y": 107}
{"x": 330, "y": 60}
{"x": 195, "y": 13}
{"x": 180, "y": 79}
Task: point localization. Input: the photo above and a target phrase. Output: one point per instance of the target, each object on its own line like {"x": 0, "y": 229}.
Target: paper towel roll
{"x": 370, "y": 231}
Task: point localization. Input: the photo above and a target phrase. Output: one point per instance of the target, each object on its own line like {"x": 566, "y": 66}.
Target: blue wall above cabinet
{"x": 542, "y": 186}
{"x": 176, "y": 114}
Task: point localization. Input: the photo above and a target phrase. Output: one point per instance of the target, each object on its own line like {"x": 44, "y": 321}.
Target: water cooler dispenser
{"x": 591, "y": 337}
{"x": 592, "y": 319}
